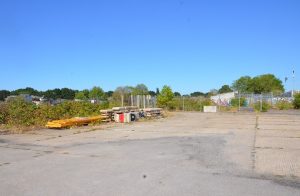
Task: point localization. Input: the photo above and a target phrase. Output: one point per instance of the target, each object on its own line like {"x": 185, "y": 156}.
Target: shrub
{"x": 3, "y": 113}
{"x": 21, "y": 113}
{"x": 265, "y": 106}
{"x": 235, "y": 102}
{"x": 284, "y": 105}
{"x": 296, "y": 101}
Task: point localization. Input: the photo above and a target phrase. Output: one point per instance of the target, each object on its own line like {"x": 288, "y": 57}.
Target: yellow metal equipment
{"x": 77, "y": 121}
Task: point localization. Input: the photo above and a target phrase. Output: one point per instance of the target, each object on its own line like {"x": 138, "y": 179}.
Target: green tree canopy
{"x": 80, "y": 95}
{"x": 243, "y": 84}
{"x": 165, "y": 97}
{"x": 86, "y": 92}
{"x": 97, "y": 93}
{"x": 225, "y": 89}
{"x": 67, "y": 93}
{"x": 109, "y": 93}
{"x": 197, "y": 94}
{"x": 52, "y": 94}
{"x": 266, "y": 84}
{"x": 27, "y": 90}
{"x": 140, "y": 89}
{"x": 152, "y": 93}
{"x": 177, "y": 94}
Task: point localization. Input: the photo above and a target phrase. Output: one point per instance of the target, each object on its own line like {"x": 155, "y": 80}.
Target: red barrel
{"x": 121, "y": 118}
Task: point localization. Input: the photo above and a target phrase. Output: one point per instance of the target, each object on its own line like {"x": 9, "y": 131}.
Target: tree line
{"x": 266, "y": 83}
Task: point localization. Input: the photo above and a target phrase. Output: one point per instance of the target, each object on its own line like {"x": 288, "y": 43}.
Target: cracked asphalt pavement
{"x": 185, "y": 154}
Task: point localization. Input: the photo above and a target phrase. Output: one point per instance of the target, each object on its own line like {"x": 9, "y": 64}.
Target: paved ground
{"x": 186, "y": 154}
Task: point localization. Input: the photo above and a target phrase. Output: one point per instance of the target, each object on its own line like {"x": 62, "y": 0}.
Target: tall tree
{"x": 165, "y": 97}
{"x": 140, "y": 89}
{"x": 243, "y": 84}
{"x": 97, "y": 93}
{"x": 86, "y": 92}
{"x": 67, "y": 93}
{"x": 266, "y": 83}
{"x": 225, "y": 89}
{"x": 80, "y": 95}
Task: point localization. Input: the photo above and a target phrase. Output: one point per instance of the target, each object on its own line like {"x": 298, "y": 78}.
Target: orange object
{"x": 77, "y": 121}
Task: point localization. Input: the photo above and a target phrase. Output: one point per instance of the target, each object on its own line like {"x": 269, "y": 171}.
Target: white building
{"x": 223, "y": 99}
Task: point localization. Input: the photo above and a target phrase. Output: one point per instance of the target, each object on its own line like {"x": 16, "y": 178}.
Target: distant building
{"x": 26, "y": 97}
{"x": 223, "y": 99}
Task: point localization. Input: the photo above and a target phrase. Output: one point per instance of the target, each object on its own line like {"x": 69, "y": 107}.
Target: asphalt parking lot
{"x": 184, "y": 154}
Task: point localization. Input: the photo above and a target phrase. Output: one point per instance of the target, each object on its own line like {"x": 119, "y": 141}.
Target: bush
{"x": 235, "y": 102}
{"x": 21, "y": 113}
{"x": 284, "y": 105}
{"x": 190, "y": 103}
{"x": 265, "y": 106}
{"x": 296, "y": 102}
{"x": 3, "y": 113}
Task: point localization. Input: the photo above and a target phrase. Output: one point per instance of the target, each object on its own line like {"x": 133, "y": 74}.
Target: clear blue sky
{"x": 192, "y": 45}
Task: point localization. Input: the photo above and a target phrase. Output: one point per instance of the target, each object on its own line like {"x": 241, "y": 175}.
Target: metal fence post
{"x": 260, "y": 102}
{"x": 239, "y": 101}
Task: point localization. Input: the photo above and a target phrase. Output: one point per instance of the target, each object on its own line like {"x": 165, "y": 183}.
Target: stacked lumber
{"x": 77, "y": 121}
{"x": 152, "y": 112}
{"x": 107, "y": 115}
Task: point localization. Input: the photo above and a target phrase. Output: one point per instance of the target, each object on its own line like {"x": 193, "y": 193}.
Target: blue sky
{"x": 191, "y": 45}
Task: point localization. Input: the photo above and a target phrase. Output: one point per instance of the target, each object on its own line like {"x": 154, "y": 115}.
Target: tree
{"x": 52, "y": 94}
{"x": 197, "y": 94}
{"x": 122, "y": 95}
{"x": 27, "y": 90}
{"x": 86, "y": 92}
{"x": 266, "y": 84}
{"x": 80, "y": 95}
{"x": 225, "y": 89}
{"x": 96, "y": 93}
{"x": 242, "y": 85}
{"x": 67, "y": 93}
{"x": 123, "y": 90}
{"x": 109, "y": 93}
{"x": 165, "y": 97}
{"x": 152, "y": 93}
{"x": 157, "y": 91}
{"x": 177, "y": 94}
{"x": 4, "y": 94}
{"x": 140, "y": 89}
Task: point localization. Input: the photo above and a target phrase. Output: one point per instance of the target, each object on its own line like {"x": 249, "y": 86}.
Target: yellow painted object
{"x": 77, "y": 121}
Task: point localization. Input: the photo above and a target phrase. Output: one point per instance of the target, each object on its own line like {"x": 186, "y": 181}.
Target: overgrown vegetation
{"x": 18, "y": 112}
{"x": 284, "y": 105}
{"x": 236, "y": 102}
{"x": 296, "y": 102}
{"x": 263, "y": 107}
